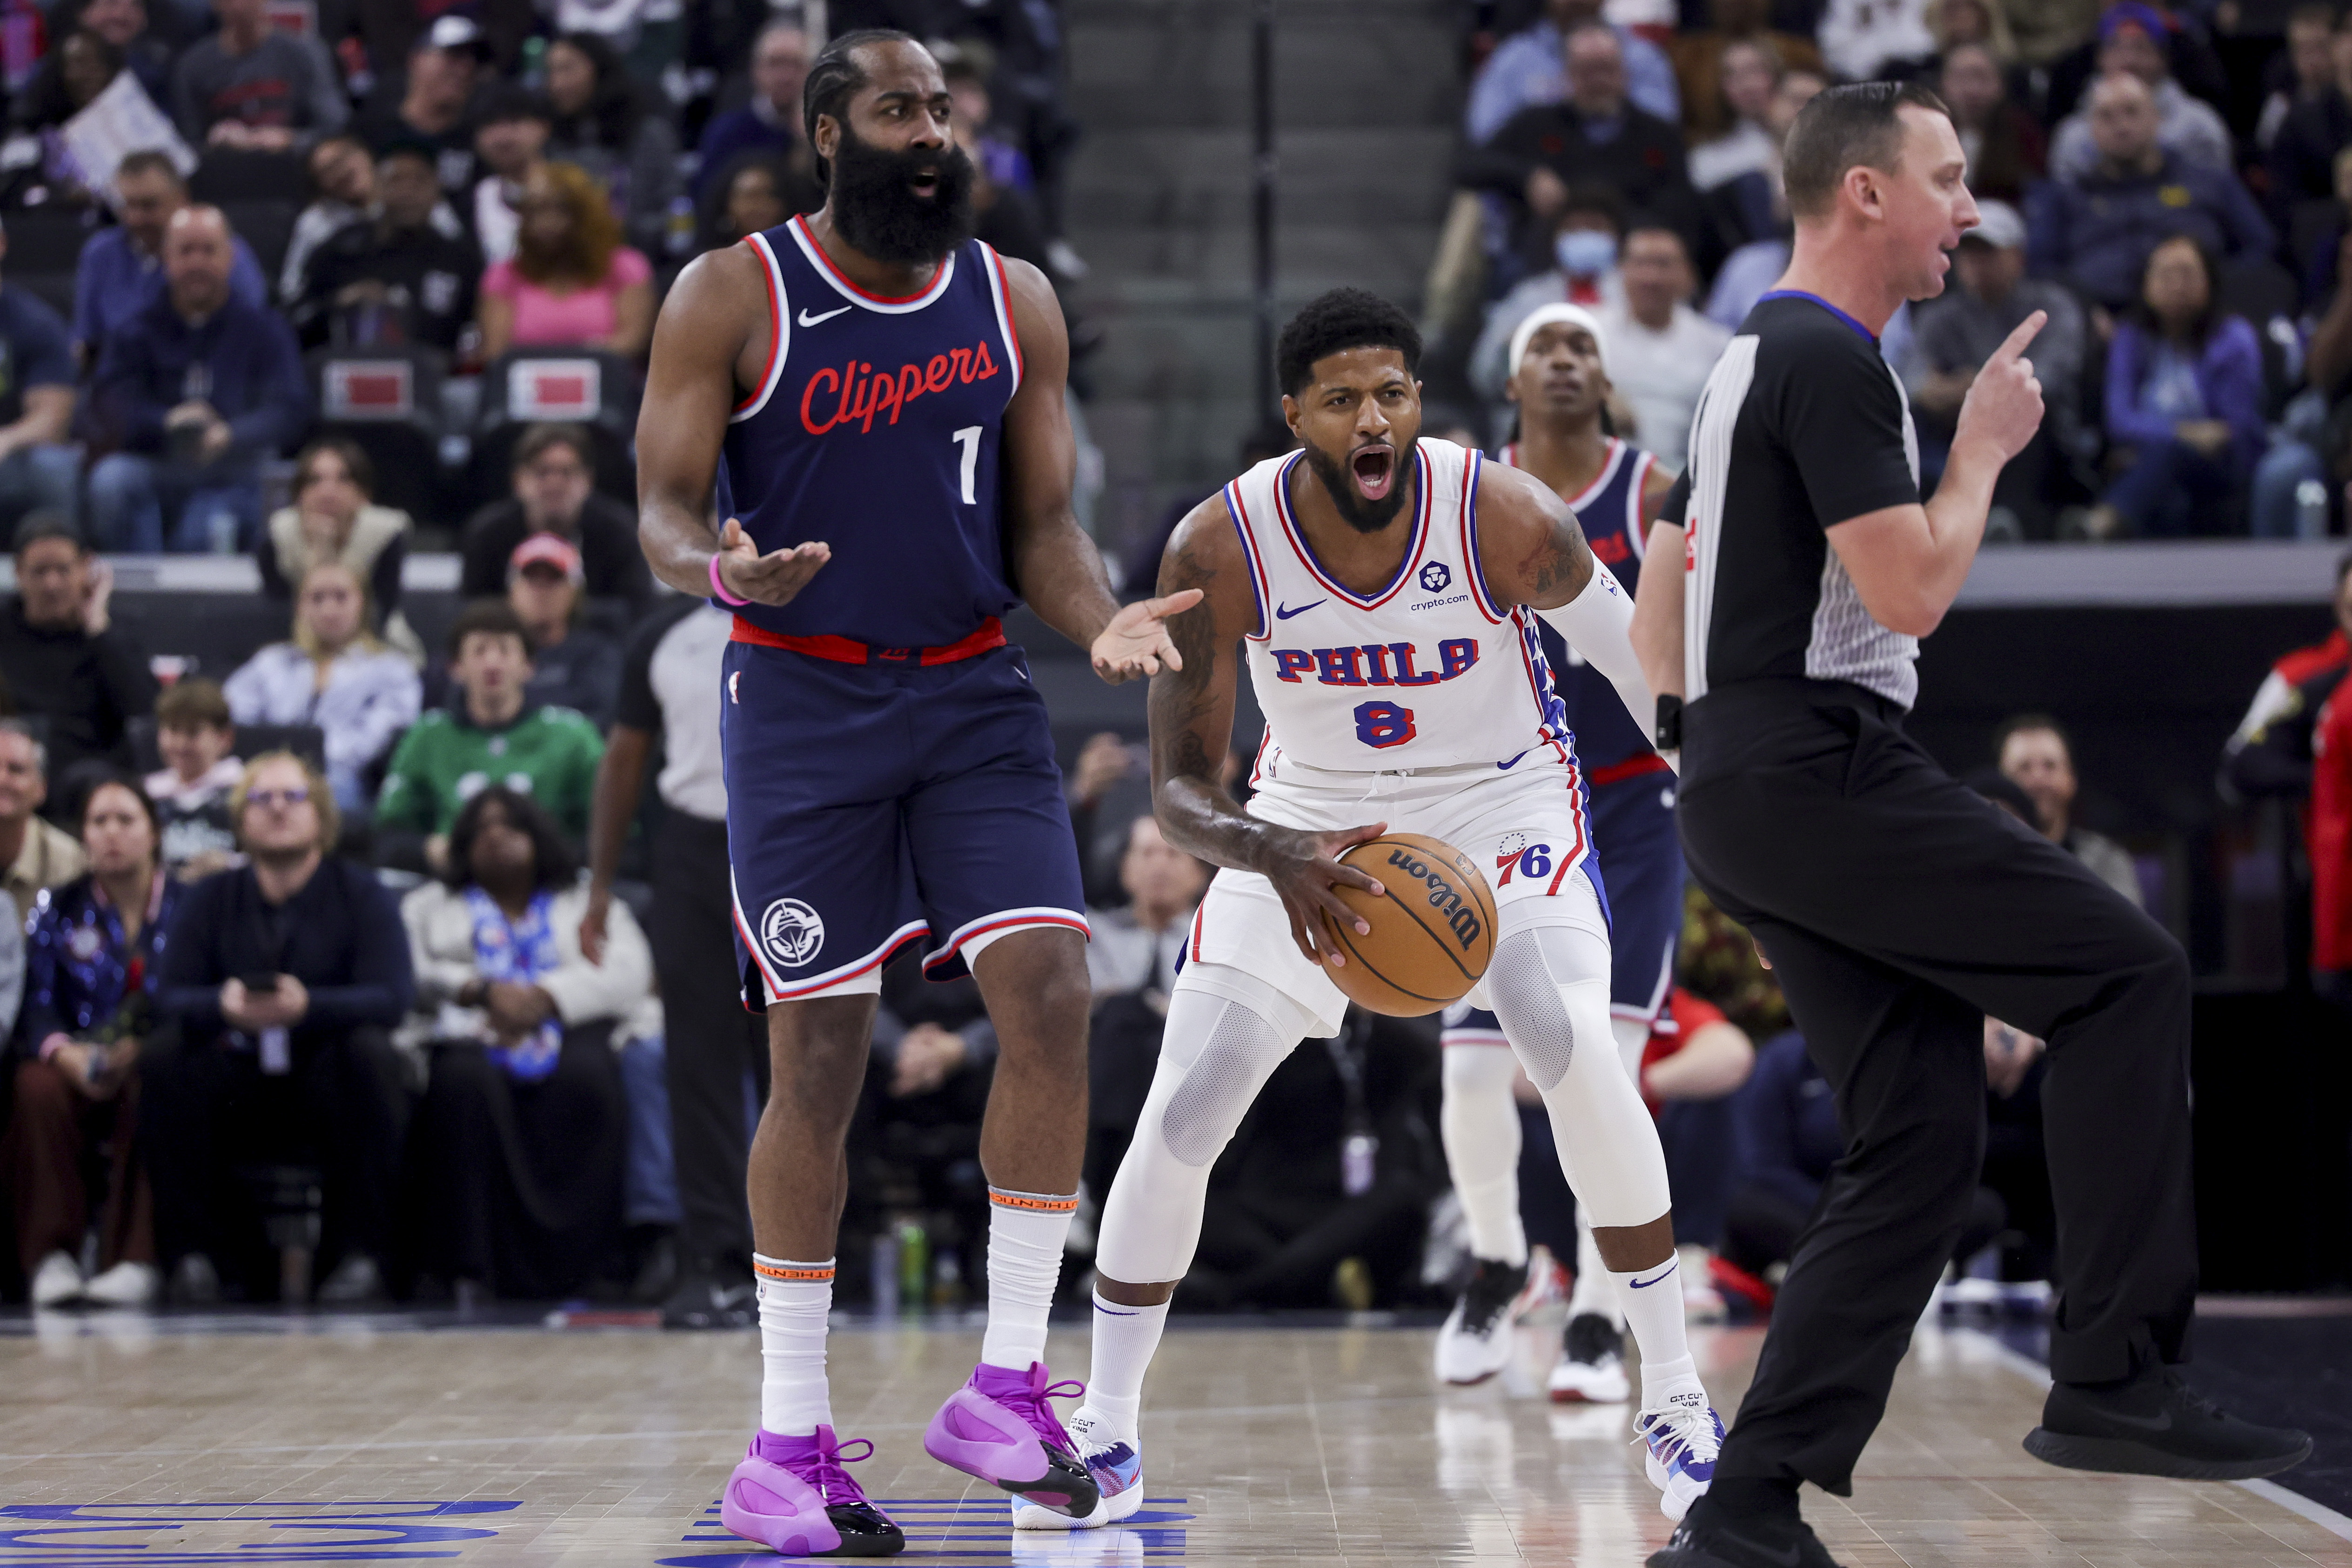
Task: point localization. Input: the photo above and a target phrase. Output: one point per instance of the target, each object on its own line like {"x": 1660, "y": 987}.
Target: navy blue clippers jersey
{"x": 1609, "y": 511}
{"x": 878, "y": 428}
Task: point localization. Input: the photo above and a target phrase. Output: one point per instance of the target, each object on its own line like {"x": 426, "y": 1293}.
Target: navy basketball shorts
{"x": 872, "y": 804}
{"x": 1634, "y": 839}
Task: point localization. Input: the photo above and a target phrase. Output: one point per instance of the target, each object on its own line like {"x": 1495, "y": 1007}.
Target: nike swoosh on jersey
{"x": 1284, "y": 611}
{"x": 808, "y": 320}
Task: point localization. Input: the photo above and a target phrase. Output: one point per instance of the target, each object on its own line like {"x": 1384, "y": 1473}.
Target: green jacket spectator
{"x": 548, "y": 753}
{"x": 489, "y": 733}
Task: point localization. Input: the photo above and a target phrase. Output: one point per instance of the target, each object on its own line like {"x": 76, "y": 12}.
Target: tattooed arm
{"x": 1193, "y": 724}
{"x": 1538, "y": 558}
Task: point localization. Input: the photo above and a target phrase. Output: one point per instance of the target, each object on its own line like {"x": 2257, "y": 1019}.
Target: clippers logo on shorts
{"x": 1461, "y": 917}
{"x": 793, "y": 933}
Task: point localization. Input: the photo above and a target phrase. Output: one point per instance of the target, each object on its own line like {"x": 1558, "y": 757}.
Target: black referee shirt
{"x": 1803, "y": 426}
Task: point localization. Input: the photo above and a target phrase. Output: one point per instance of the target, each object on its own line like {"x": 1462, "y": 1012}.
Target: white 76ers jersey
{"x": 1427, "y": 672}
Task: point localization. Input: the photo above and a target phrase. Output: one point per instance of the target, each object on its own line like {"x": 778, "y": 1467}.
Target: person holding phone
{"x": 286, "y": 976}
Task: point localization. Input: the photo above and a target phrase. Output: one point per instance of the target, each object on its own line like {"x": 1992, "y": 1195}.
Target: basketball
{"x": 1432, "y": 935}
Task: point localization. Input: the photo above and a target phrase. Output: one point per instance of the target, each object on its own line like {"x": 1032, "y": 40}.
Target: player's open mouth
{"x": 925, "y": 184}
{"x": 1375, "y": 469}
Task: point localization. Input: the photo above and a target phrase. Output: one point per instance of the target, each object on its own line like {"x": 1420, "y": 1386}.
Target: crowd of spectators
{"x": 217, "y": 204}
{"x": 2173, "y": 186}
{"x": 412, "y": 962}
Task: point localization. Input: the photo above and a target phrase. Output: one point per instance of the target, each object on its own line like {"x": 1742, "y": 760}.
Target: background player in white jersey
{"x": 1386, "y": 589}
{"x": 1559, "y": 369}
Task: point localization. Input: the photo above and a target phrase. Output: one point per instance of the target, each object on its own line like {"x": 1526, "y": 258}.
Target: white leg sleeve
{"x": 1550, "y": 989}
{"x": 1480, "y": 1125}
{"x": 1633, "y": 1038}
{"x": 1215, "y": 1054}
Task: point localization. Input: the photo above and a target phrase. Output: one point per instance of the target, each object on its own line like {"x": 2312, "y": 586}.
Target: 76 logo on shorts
{"x": 1534, "y": 862}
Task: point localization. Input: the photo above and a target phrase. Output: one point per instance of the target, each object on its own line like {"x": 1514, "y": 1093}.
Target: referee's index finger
{"x": 2016, "y": 343}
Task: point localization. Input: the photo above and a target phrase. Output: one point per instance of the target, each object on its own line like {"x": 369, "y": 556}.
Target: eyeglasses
{"x": 294, "y": 796}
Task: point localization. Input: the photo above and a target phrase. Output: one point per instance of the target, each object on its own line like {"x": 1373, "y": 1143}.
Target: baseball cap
{"x": 457, "y": 31}
{"x": 546, "y": 550}
{"x": 2134, "y": 13}
{"x": 1998, "y": 225}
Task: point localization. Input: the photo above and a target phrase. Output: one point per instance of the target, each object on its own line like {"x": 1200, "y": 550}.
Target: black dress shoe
{"x": 2156, "y": 1424}
{"x": 1704, "y": 1540}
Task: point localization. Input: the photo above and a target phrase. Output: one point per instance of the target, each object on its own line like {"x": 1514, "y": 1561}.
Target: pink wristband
{"x": 719, "y": 586}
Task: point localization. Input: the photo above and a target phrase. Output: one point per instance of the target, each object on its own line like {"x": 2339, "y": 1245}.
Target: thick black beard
{"x": 1340, "y": 483}
{"x": 875, "y": 210}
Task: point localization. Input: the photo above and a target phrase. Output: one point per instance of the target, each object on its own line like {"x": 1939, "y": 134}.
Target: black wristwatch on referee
{"x": 1669, "y": 737}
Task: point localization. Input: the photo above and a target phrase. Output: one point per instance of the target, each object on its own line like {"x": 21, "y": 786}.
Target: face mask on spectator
{"x": 1584, "y": 252}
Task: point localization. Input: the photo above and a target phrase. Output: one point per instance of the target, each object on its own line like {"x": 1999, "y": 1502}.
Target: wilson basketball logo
{"x": 859, "y": 396}
{"x": 1461, "y": 917}
{"x": 792, "y": 932}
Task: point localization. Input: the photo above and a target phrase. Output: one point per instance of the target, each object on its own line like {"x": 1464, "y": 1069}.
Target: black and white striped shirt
{"x": 1803, "y": 427}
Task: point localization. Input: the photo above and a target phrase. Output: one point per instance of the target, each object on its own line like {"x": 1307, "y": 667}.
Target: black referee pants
{"x": 710, "y": 1040}
{"x": 1898, "y": 908}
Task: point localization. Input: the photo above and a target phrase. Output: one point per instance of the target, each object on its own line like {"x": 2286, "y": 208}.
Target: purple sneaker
{"x": 792, "y": 1496}
{"x": 1001, "y": 1427}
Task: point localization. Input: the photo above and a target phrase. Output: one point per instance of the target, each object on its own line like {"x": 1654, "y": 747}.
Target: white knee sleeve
{"x": 1633, "y": 1038}
{"x": 1215, "y": 1054}
{"x": 1551, "y": 990}
{"x": 1480, "y": 1125}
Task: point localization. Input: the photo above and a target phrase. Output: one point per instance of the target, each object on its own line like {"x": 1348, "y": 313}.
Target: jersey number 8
{"x": 1383, "y": 724}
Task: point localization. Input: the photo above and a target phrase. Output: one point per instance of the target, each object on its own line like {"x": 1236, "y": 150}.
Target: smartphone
{"x": 265, "y": 980}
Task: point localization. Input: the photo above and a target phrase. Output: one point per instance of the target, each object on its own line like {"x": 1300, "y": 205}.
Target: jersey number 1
{"x": 968, "y": 440}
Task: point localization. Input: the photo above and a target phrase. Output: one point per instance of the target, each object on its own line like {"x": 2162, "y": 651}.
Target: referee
{"x": 1897, "y": 908}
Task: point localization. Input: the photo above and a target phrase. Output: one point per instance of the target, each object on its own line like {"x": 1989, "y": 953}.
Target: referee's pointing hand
{"x": 2004, "y": 403}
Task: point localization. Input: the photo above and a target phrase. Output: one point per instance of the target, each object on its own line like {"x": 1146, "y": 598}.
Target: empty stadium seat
{"x": 235, "y": 175}
{"x": 267, "y": 226}
{"x": 573, "y": 386}
{"x": 389, "y": 401}
{"x": 46, "y": 240}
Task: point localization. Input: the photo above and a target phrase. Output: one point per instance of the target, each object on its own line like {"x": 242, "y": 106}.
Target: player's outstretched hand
{"x": 1303, "y": 868}
{"x": 770, "y": 579}
{"x": 1136, "y": 644}
{"x": 2003, "y": 407}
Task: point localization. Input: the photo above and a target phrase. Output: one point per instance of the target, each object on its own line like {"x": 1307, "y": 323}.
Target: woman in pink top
{"x": 571, "y": 283}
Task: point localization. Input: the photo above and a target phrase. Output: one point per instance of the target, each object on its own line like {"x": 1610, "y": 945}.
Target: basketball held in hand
{"x": 1431, "y": 936}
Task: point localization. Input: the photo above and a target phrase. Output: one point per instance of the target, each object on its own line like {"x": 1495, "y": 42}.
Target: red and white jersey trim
{"x": 778, "y": 332}
{"x": 857, "y": 296}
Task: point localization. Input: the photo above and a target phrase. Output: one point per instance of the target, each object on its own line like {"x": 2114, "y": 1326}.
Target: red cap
{"x": 546, "y": 550}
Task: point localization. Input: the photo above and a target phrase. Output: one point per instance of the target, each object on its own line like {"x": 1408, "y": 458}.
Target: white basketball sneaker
{"x": 1683, "y": 1437}
{"x": 1476, "y": 1342}
{"x": 1591, "y": 1371}
{"x": 1112, "y": 1458}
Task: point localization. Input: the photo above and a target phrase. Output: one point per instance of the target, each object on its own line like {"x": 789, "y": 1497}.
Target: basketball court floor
{"x": 176, "y": 1443}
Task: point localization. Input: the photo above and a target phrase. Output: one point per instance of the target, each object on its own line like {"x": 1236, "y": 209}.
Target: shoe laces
{"x": 1692, "y": 1427}
{"x": 1032, "y": 1404}
{"x": 2189, "y": 1399}
{"x": 823, "y": 1469}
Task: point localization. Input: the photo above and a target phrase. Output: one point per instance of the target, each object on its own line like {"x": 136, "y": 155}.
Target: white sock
{"x": 793, "y": 1301}
{"x": 1125, "y": 1339}
{"x": 1653, "y": 1302}
{"x": 1592, "y": 1292}
{"x": 1025, "y": 1232}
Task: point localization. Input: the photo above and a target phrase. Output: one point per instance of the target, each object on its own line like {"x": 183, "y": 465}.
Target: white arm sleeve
{"x": 1597, "y": 624}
